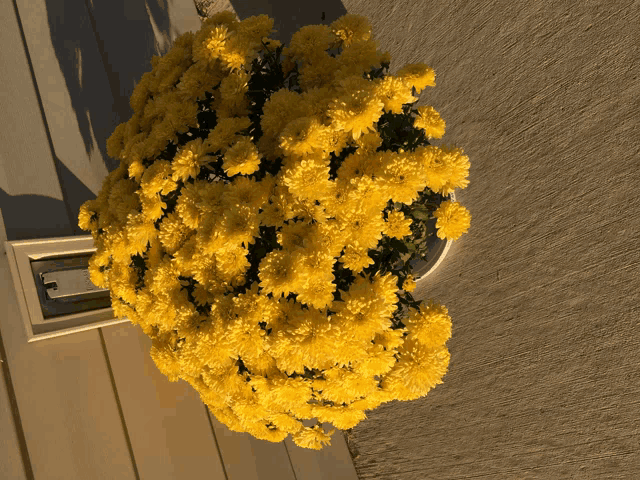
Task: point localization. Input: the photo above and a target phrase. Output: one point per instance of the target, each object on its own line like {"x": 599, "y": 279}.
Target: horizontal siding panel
{"x": 11, "y": 464}
{"x": 168, "y": 425}
{"x": 67, "y": 405}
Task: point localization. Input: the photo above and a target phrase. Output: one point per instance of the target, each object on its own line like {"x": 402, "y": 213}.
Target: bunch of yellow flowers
{"x": 239, "y": 229}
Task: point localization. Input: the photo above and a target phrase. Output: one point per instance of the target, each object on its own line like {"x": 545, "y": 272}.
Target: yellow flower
{"x": 357, "y": 109}
{"x": 313, "y": 438}
{"x": 458, "y": 165}
{"x": 394, "y": 93}
{"x": 242, "y": 158}
{"x": 357, "y": 58}
{"x": 302, "y": 136}
{"x": 419, "y": 369}
{"x": 209, "y": 43}
{"x": 226, "y": 17}
{"x": 199, "y": 79}
{"x": 351, "y": 28}
{"x": 356, "y": 258}
{"x": 223, "y": 135}
{"x": 409, "y": 284}
{"x": 361, "y": 165}
{"x": 400, "y": 176}
{"x": 369, "y": 143}
{"x": 292, "y": 236}
{"x": 233, "y": 261}
{"x": 363, "y": 311}
{"x": 362, "y": 226}
{"x": 157, "y": 179}
{"x": 188, "y": 160}
{"x": 244, "y": 192}
{"x": 256, "y": 27}
{"x": 310, "y": 42}
{"x": 276, "y": 273}
{"x": 115, "y": 141}
{"x": 417, "y": 75}
{"x": 343, "y": 386}
{"x": 237, "y": 53}
{"x": 429, "y": 120}
{"x": 397, "y": 225}
{"x": 318, "y": 73}
{"x": 87, "y": 210}
{"x": 278, "y": 210}
{"x": 172, "y": 232}
{"x": 390, "y": 339}
{"x": 430, "y": 325}
{"x": 453, "y": 220}
{"x": 308, "y": 179}
{"x": 281, "y": 108}
{"x": 318, "y": 290}
{"x": 234, "y": 87}
{"x": 140, "y": 232}
{"x": 237, "y": 225}
{"x": 141, "y": 92}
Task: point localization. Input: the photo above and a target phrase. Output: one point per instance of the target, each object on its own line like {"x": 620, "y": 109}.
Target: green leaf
{"x": 420, "y": 214}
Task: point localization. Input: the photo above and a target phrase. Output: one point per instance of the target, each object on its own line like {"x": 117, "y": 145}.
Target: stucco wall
{"x": 544, "y": 290}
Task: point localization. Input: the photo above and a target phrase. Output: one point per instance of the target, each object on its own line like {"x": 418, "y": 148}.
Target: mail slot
{"x": 54, "y": 288}
{"x": 64, "y": 286}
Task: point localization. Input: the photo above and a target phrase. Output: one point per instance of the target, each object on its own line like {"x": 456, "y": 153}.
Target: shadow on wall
{"x": 290, "y": 15}
{"x": 102, "y": 48}
{"x": 95, "y": 37}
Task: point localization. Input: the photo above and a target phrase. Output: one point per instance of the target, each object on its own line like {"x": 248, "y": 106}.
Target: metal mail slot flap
{"x": 69, "y": 283}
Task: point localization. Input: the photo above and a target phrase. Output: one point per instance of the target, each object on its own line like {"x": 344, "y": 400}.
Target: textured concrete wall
{"x": 544, "y": 290}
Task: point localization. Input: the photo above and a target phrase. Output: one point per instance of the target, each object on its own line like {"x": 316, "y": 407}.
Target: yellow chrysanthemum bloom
{"x": 417, "y": 75}
{"x": 356, "y": 258}
{"x": 224, "y": 133}
{"x": 419, "y": 369}
{"x": 394, "y": 93}
{"x": 310, "y": 42}
{"x": 303, "y": 136}
{"x": 352, "y": 28}
{"x": 453, "y": 220}
{"x": 242, "y": 158}
{"x": 276, "y": 272}
{"x": 397, "y": 225}
{"x": 320, "y": 73}
{"x": 256, "y": 28}
{"x": 188, "y": 160}
{"x": 430, "y": 121}
{"x": 314, "y": 438}
{"x": 357, "y": 108}
{"x": 234, "y": 87}
{"x": 209, "y": 43}
{"x": 357, "y": 58}
{"x": 430, "y": 325}
{"x": 308, "y": 179}
{"x": 409, "y": 284}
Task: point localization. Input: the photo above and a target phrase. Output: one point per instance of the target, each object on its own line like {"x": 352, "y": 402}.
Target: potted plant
{"x": 251, "y": 230}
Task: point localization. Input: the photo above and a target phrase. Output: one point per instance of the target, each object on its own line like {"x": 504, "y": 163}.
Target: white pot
{"x": 438, "y": 249}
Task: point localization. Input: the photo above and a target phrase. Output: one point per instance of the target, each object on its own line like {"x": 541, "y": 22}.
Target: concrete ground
{"x": 544, "y": 290}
